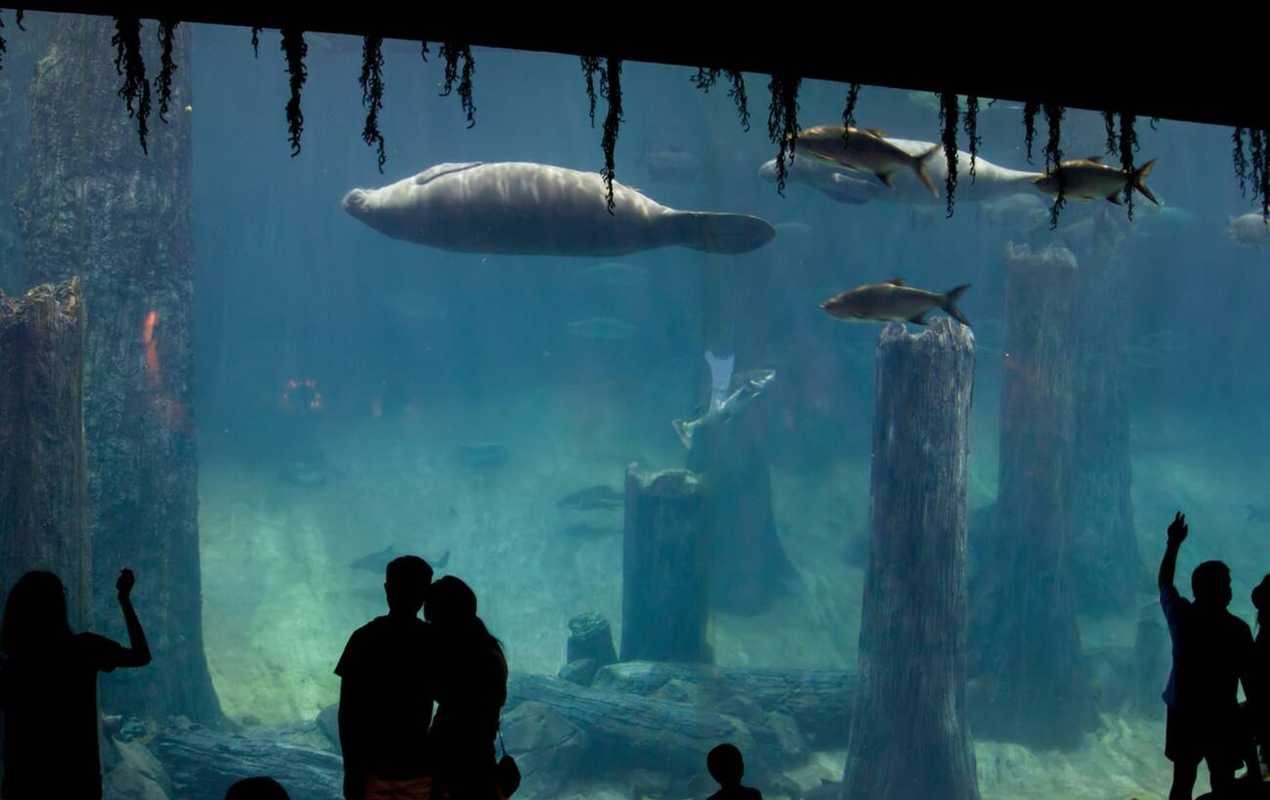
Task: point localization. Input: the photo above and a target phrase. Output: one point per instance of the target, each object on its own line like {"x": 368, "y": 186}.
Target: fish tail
{"x": 1140, "y": 181}
{"x": 919, "y": 165}
{"x": 684, "y": 429}
{"x": 950, "y": 303}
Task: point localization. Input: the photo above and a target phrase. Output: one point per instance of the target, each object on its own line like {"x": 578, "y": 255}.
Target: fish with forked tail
{"x": 1090, "y": 179}
{"x": 867, "y": 151}
{"x": 593, "y": 498}
{"x": 893, "y": 301}
{"x": 746, "y": 387}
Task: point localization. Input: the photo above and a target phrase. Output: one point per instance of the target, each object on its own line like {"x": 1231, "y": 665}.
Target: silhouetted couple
{"x": 395, "y": 667}
{"x": 1213, "y": 652}
{"x": 48, "y": 689}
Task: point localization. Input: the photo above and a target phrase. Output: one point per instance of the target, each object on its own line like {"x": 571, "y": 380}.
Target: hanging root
{"x": 129, "y": 63}
{"x": 17, "y": 17}
{"x": 1054, "y": 157}
{"x": 1241, "y": 162}
{"x": 1030, "y": 109}
{"x": 1257, "y": 139}
{"x": 706, "y": 78}
{"x": 451, "y": 52}
{"x": 590, "y": 66}
{"x": 848, "y": 112}
{"x": 423, "y": 50}
{"x": 611, "y": 88}
{"x": 972, "y": 131}
{"x": 782, "y": 121}
{"x": 372, "y": 83}
{"x": 255, "y": 41}
{"x": 295, "y": 49}
{"x": 1128, "y": 144}
{"x": 1109, "y": 122}
{"x": 167, "y": 36}
{"x": 4, "y": 47}
{"x": 948, "y": 118}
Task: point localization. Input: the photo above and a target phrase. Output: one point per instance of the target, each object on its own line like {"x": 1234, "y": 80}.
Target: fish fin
{"x": 919, "y": 319}
{"x": 895, "y": 282}
{"x": 1139, "y": 181}
{"x": 950, "y": 303}
{"x": 885, "y": 178}
{"x": 1115, "y": 198}
{"x": 442, "y": 561}
{"x": 713, "y": 232}
{"x": 683, "y": 429}
{"x": 920, "y": 167}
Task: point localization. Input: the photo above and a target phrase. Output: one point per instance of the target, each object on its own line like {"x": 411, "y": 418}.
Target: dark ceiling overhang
{"x": 1197, "y": 72}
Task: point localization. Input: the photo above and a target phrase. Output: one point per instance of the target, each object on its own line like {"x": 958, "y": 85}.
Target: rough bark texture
{"x": 665, "y": 568}
{"x": 1025, "y": 641}
{"x": 1106, "y": 563}
{"x": 203, "y": 763}
{"x": 911, "y": 694}
{"x": 43, "y": 496}
{"x": 819, "y": 700}
{"x": 96, "y": 206}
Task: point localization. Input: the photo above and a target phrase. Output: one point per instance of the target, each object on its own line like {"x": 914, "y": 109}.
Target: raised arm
{"x": 1168, "y": 565}
{"x": 138, "y": 652}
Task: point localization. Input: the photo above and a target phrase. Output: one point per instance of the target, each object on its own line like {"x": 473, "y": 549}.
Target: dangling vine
{"x": 972, "y": 131}
{"x": 129, "y": 63}
{"x": 452, "y": 52}
{"x": 17, "y": 17}
{"x": 295, "y": 49}
{"x": 782, "y": 121}
{"x": 948, "y": 118}
{"x": 1128, "y": 144}
{"x": 705, "y": 79}
{"x": 372, "y": 83}
{"x": 1241, "y": 163}
{"x": 611, "y": 89}
{"x": 3, "y": 47}
{"x": 1030, "y": 109}
{"x": 167, "y": 36}
{"x": 423, "y": 50}
{"x": 1109, "y": 122}
{"x": 255, "y": 41}
{"x": 1260, "y": 176}
{"x": 590, "y": 66}
{"x": 848, "y": 112}
{"x": 1054, "y": 158}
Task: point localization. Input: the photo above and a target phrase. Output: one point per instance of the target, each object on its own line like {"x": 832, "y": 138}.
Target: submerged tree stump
{"x": 1026, "y": 649}
{"x": 908, "y": 732}
{"x": 43, "y": 495}
{"x": 665, "y": 568}
{"x": 1106, "y": 563}
{"x": 96, "y": 206}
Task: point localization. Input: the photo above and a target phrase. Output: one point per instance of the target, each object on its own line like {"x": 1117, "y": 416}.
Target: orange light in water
{"x": 152, "y": 349}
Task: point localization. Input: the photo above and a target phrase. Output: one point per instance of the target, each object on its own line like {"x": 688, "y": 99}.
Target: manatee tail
{"x": 1140, "y": 181}
{"x": 919, "y": 166}
{"x": 718, "y": 233}
{"x": 950, "y": 303}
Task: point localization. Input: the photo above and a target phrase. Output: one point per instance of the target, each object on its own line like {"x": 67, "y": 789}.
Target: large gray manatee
{"x": 536, "y": 209}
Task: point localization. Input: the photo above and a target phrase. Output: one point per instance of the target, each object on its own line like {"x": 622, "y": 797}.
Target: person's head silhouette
{"x": 1210, "y": 583}
{"x": 34, "y": 613}
{"x": 258, "y": 788}
{"x": 1261, "y": 601}
{"x": 406, "y": 585}
{"x": 726, "y": 765}
{"x": 451, "y": 603}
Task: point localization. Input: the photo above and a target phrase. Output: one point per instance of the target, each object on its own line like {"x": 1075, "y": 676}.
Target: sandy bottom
{"x": 280, "y": 597}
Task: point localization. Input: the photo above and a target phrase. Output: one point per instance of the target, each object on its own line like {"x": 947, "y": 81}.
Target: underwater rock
{"x": 519, "y": 208}
{"x": 590, "y": 636}
{"x": 593, "y": 498}
{"x": 788, "y": 737}
{"x": 820, "y": 701}
{"x": 136, "y": 773}
{"x": 548, "y": 748}
{"x": 581, "y": 672}
{"x": 481, "y": 456}
{"x": 203, "y": 762}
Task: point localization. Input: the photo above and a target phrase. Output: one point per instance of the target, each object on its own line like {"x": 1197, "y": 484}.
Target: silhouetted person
{"x": 1260, "y": 702}
{"x": 727, "y": 768}
{"x": 1212, "y": 653}
{"x": 48, "y": 689}
{"x": 386, "y": 693}
{"x": 471, "y": 691}
{"x": 259, "y": 788}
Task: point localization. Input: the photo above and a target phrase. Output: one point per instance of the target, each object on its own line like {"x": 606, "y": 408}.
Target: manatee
{"x": 519, "y": 208}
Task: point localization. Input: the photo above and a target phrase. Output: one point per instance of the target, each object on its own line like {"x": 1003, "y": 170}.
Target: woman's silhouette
{"x": 1261, "y": 702}
{"x": 472, "y": 687}
{"x": 48, "y": 689}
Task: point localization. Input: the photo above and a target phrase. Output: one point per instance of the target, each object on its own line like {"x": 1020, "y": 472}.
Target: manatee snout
{"x": 355, "y": 202}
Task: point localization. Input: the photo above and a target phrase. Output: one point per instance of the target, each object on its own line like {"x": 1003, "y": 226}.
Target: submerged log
{"x": 1025, "y": 644}
{"x": 96, "y": 206}
{"x": 819, "y": 700}
{"x": 911, "y": 695}
{"x": 665, "y": 576}
{"x": 203, "y": 763}
{"x": 43, "y": 494}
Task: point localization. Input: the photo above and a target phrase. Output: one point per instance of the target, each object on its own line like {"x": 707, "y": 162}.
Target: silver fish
{"x": 745, "y": 387}
{"x": 893, "y": 301}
